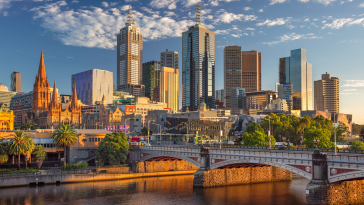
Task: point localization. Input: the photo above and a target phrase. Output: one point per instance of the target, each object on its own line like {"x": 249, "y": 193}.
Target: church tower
{"x": 75, "y": 109}
{"x": 41, "y": 90}
{"x": 54, "y": 109}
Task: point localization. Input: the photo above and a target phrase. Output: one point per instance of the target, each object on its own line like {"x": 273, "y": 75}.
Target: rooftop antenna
{"x": 198, "y": 13}
{"x": 130, "y": 16}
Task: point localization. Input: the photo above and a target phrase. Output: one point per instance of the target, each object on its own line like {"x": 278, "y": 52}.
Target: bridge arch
{"x": 290, "y": 168}
{"x": 181, "y": 157}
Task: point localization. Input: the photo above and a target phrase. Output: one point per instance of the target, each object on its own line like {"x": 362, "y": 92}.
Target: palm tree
{"x": 40, "y": 155}
{"x": 64, "y": 136}
{"x": 21, "y": 144}
{"x": 28, "y": 154}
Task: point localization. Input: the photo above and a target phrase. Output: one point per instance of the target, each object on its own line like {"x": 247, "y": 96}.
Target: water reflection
{"x": 162, "y": 190}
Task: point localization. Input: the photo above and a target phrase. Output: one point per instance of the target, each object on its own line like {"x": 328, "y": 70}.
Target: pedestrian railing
{"x": 46, "y": 173}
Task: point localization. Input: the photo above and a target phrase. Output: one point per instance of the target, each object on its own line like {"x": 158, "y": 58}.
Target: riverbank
{"x": 6, "y": 182}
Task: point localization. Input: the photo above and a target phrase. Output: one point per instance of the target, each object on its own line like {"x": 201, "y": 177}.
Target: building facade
{"x": 6, "y": 118}
{"x": 198, "y": 66}
{"x": 5, "y": 95}
{"x": 258, "y": 100}
{"x": 129, "y": 55}
{"x": 21, "y": 104}
{"x": 236, "y": 96}
{"x": 220, "y": 94}
{"x": 285, "y": 92}
{"x": 297, "y": 71}
{"x": 169, "y": 59}
{"x": 15, "y": 82}
{"x": 92, "y": 85}
{"x": 151, "y": 77}
{"x": 242, "y": 69}
{"x": 327, "y": 94}
{"x": 169, "y": 88}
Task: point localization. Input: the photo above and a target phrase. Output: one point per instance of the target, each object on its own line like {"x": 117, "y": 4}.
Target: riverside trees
{"x": 21, "y": 144}
{"x": 64, "y": 136}
{"x": 113, "y": 149}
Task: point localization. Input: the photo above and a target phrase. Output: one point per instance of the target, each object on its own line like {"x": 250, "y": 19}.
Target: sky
{"x": 79, "y": 35}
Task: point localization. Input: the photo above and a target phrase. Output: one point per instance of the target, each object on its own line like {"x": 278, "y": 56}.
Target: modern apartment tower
{"x": 298, "y": 72}
{"x": 92, "y": 85}
{"x": 169, "y": 87}
{"x": 242, "y": 69}
{"x": 129, "y": 56}
{"x": 151, "y": 77}
{"x": 15, "y": 85}
{"x": 220, "y": 94}
{"x": 327, "y": 94}
{"x": 169, "y": 59}
{"x": 198, "y": 66}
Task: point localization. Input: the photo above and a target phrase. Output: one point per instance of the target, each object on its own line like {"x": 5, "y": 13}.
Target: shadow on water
{"x": 161, "y": 190}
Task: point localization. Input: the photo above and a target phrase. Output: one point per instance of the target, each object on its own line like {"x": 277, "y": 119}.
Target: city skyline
{"x": 322, "y": 58}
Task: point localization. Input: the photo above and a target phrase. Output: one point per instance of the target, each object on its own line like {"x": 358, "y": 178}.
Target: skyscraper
{"x": 327, "y": 94}
{"x": 242, "y": 69}
{"x": 169, "y": 59}
{"x": 169, "y": 87}
{"x": 92, "y": 85}
{"x": 198, "y": 66}
{"x": 15, "y": 85}
{"x": 298, "y": 72}
{"x": 129, "y": 56}
{"x": 151, "y": 77}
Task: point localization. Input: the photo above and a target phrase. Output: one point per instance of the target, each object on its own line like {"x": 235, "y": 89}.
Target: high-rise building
{"x": 169, "y": 59}
{"x": 297, "y": 71}
{"x": 285, "y": 92}
{"x": 220, "y": 94}
{"x": 15, "y": 85}
{"x": 129, "y": 55}
{"x": 198, "y": 66}
{"x": 169, "y": 87}
{"x": 236, "y": 94}
{"x": 258, "y": 100}
{"x": 151, "y": 77}
{"x": 5, "y": 96}
{"x": 327, "y": 94}
{"x": 242, "y": 69}
{"x": 92, "y": 85}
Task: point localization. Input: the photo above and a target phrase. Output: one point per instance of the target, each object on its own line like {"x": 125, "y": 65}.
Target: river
{"x": 159, "y": 190}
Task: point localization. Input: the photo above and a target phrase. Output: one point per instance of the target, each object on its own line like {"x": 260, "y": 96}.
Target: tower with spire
{"x": 198, "y": 65}
{"x": 129, "y": 56}
{"x": 75, "y": 109}
{"x": 41, "y": 90}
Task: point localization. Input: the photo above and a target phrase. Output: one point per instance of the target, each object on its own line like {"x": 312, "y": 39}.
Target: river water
{"x": 159, "y": 190}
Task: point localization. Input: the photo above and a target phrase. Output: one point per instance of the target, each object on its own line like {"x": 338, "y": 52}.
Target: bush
{"x": 4, "y": 158}
{"x": 74, "y": 167}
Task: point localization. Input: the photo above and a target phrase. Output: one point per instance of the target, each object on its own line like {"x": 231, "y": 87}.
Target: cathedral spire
{"x": 55, "y": 95}
{"x": 74, "y": 102}
{"x": 41, "y": 70}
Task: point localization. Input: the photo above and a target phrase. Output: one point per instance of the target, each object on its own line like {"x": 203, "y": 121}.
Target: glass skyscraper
{"x": 198, "y": 66}
{"x": 296, "y": 71}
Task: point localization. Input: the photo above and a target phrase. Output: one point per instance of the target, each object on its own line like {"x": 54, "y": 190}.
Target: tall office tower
{"x": 151, "y": 77}
{"x": 298, "y": 72}
{"x": 169, "y": 59}
{"x": 236, "y": 94}
{"x": 198, "y": 66}
{"x": 285, "y": 92}
{"x": 169, "y": 87}
{"x": 92, "y": 85}
{"x": 242, "y": 69}
{"x": 327, "y": 94}
{"x": 129, "y": 56}
{"x": 15, "y": 85}
{"x": 220, "y": 94}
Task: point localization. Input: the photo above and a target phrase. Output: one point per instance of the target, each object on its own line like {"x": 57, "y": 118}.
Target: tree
{"x": 255, "y": 136}
{"x": 321, "y": 134}
{"x": 30, "y": 148}
{"x": 29, "y": 126}
{"x": 65, "y": 136}
{"x": 40, "y": 155}
{"x": 21, "y": 144}
{"x": 357, "y": 145}
{"x": 113, "y": 149}
{"x": 3, "y": 147}
{"x": 145, "y": 131}
{"x": 341, "y": 131}
{"x": 3, "y": 158}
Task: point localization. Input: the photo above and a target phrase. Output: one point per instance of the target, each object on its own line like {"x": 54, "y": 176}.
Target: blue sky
{"x": 81, "y": 35}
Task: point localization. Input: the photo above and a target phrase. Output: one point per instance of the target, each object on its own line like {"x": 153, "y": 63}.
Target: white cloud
{"x": 226, "y": 17}
{"x": 127, "y": 1}
{"x": 124, "y": 8}
{"x": 5, "y": 4}
{"x": 97, "y": 27}
{"x": 247, "y": 8}
{"x": 251, "y": 29}
{"x": 361, "y": 5}
{"x": 278, "y": 21}
{"x": 276, "y": 1}
{"x": 354, "y": 83}
{"x": 41, "y": 0}
{"x": 69, "y": 57}
{"x": 292, "y": 37}
{"x": 105, "y": 4}
{"x": 261, "y": 10}
{"x": 339, "y": 23}
{"x": 74, "y": 1}
{"x": 170, "y": 4}
{"x": 349, "y": 93}
{"x": 325, "y": 2}
{"x": 5, "y": 13}
{"x": 349, "y": 90}
{"x": 170, "y": 13}
{"x": 304, "y": 1}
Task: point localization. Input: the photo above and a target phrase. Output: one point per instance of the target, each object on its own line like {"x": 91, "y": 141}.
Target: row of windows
{"x": 94, "y": 139}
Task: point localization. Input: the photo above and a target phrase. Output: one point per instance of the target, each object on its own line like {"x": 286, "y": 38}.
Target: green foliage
{"x": 145, "y": 131}
{"x": 255, "y": 136}
{"x": 39, "y": 152}
{"x": 21, "y": 144}
{"x": 29, "y": 126}
{"x": 3, "y": 147}
{"x": 113, "y": 149}
{"x": 14, "y": 171}
{"x": 357, "y": 145}
{"x": 75, "y": 167}
{"x": 3, "y": 158}
{"x": 341, "y": 131}
{"x": 64, "y": 136}
{"x": 323, "y": 135}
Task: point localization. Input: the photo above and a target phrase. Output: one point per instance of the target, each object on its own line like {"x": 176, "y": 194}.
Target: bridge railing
{"x": 346, "y": 158}
{"x": 46, "y": 173}
{"x": 301, "y": 155}
{"x": 179, "y": 149}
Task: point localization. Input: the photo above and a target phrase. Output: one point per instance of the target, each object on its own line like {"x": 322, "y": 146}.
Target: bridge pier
{"x": 199, "y": 176}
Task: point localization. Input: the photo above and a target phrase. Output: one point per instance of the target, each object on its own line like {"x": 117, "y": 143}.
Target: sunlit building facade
{"x": 169, "y": 88}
